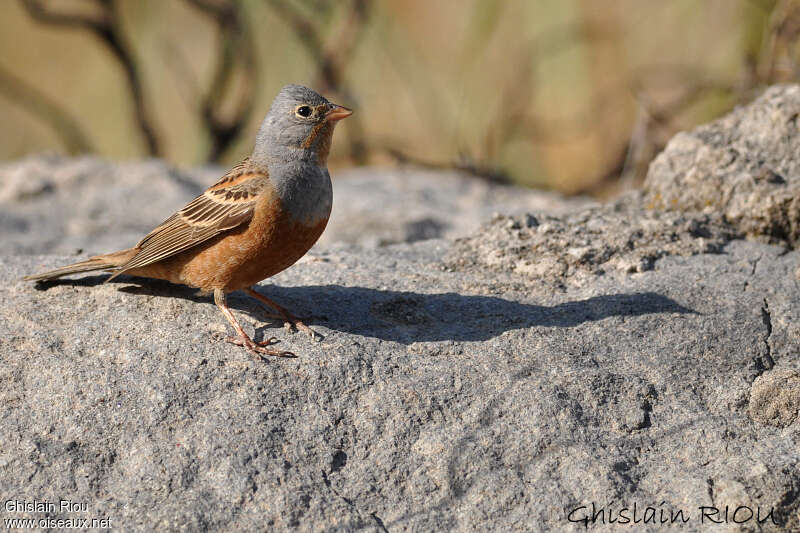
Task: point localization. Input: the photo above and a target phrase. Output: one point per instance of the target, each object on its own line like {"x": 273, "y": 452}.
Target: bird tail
{"x": 98, "y": 262}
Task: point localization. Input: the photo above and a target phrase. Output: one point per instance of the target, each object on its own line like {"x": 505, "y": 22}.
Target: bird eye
{"x": 303, "y": 111}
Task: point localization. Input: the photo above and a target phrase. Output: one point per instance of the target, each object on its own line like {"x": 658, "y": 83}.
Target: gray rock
{"x": 51, "y": 204}
{"x": 379, "y": 206}
{"x": 438, "y": 400}
{"x": 576, "y": 248}
{"x": 744, "y": 166}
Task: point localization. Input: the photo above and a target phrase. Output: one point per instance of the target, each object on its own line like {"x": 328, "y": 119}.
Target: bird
{"x": 259, "y": 218}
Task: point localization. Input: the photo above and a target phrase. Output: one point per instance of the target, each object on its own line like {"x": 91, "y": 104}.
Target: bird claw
{"x": 295, "y": 323}
{"x": 290, "y": 321}
{"x": 271, "y": 340}
{"x": 259, "y": 347}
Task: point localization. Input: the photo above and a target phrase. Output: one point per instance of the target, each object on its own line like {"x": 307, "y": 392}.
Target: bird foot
{"x": 289, "y": 320}
{"x": 259, "y": 347}
{"x": 292, "y": 322}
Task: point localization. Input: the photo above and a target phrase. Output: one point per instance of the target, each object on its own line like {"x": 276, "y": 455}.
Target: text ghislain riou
{"x": 45, "y": 506}
{"x": 663, "y": 514}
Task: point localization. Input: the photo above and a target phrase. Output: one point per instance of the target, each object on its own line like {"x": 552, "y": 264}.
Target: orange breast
{"x": 242, "y": 257}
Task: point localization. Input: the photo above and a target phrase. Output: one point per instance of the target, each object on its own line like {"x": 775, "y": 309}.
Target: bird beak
{"x": 337, "y": 112}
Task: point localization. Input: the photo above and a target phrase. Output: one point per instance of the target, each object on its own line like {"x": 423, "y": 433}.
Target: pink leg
{"x": 242, "y": 339}
{"x": 283, "y": 313}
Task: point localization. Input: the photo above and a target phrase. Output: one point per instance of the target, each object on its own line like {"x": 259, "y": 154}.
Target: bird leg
{"x": 288, "y": 318}
{"x": 242, "y": 339}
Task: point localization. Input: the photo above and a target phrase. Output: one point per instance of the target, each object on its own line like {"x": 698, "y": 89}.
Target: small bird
{"x": 257, "y": 220}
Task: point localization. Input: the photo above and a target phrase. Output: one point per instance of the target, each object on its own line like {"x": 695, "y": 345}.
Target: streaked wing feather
{"x": 225, "y": 205}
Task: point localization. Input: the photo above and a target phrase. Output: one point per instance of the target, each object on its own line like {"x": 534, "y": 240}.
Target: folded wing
{"x": 227, "y": 204}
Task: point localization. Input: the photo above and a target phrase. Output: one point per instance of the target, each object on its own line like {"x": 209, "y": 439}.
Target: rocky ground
{"x": 51, "y": 204}
{"x": 559, "y": 358}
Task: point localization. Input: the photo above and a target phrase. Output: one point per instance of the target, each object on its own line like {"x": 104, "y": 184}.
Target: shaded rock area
{"x": 552, "y": 365}
{"x": 51, "y": 204}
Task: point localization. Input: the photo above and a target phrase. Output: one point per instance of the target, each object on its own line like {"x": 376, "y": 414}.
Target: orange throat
{"x": 321, "y": 136}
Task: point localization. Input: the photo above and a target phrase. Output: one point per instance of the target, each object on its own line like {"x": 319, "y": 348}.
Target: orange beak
{"x": 337, "y": 112}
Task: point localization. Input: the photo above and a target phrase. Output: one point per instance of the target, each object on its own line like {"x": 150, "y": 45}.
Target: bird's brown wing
{"x": 227, "y": 204}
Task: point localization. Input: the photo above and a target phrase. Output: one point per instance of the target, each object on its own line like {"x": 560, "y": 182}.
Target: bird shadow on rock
{"x": 407, "y": 317}
{"x": 133, "y": 285}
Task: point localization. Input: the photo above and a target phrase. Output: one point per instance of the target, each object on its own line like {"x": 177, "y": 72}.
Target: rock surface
{"x": 543, "y": 367}
{"x": 744, "y": 166}
{"x": 437, "y": 400}
{"x": 576, "y": 248}
{"x": 50, "y": 204}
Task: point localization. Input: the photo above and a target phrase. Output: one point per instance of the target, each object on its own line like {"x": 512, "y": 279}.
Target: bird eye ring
{"x": 303, "y": 111}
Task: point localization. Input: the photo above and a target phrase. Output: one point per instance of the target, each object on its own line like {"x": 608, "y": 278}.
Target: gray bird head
{"x": 298, "y": 127}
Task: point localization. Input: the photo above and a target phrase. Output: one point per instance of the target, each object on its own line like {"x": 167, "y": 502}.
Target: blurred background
{"x": 571, "y": 95}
